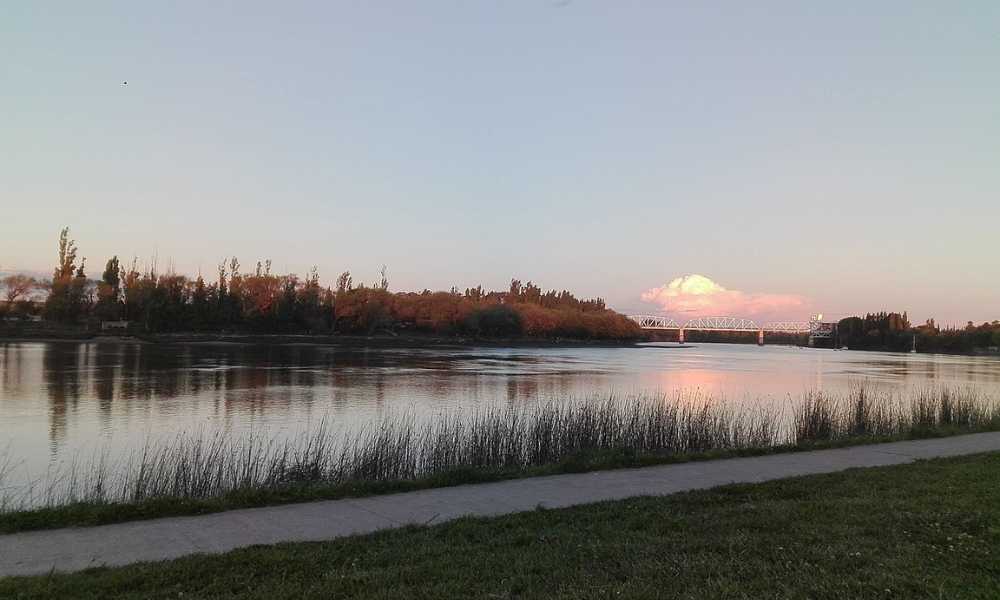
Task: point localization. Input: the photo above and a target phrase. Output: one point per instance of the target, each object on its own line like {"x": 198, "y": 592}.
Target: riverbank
{"x": 384, "y": 340}
{"x": 91, "y": 513}
{"x": 205, "y": 473}
{"x": 920, "y": 530}
{"x": 396, "y": 341}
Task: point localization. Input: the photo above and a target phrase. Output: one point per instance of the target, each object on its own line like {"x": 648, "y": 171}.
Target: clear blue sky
{"x": 847, "y": 153}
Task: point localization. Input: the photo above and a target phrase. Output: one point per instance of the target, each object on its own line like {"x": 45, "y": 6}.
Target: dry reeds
{"x": 397, "y": 448}
{"x": 869, "y": 413}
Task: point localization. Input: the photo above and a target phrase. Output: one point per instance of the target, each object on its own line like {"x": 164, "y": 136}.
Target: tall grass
{"x": 866, "y": 412}
{"x": 204, "y": 465}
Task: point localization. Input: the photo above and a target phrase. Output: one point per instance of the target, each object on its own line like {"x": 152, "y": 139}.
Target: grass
{"x": 198, "y": 474}
{"x": 924, "y": 530}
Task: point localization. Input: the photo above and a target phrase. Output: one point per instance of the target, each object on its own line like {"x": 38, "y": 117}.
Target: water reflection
{"x": 59, "y": 399}
{"x": 61, "y": 370}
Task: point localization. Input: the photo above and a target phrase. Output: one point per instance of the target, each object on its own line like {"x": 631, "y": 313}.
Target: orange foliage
{"x": 541, "y": 314}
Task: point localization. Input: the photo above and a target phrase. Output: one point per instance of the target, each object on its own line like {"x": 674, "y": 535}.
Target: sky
{"x": 798, "y": 157}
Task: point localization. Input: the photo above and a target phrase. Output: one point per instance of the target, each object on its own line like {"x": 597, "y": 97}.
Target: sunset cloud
{"x": 698, "y": 296}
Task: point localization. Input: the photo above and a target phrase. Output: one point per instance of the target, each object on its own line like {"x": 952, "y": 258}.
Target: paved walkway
{"x": 78, "y": 548}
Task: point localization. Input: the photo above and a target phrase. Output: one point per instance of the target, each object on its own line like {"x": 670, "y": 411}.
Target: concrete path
{"x": 78, "y": 548}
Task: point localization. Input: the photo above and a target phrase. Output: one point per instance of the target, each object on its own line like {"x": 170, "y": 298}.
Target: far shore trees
{"x": 893, "y": 331}
{"x": 261, "y": 301}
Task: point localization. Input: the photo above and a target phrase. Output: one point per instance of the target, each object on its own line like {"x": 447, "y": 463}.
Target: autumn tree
{"x": 17, "y": 290}
{"x": 68, "y": 291}
{"x": 17, "y": 287}
{"x": 344, "y": 282}
{"x": 261, "y": 300}
{"x": 383, "y": 279}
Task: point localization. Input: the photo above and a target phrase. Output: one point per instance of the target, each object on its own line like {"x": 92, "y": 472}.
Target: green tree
{"x": 495, "y": 321}
{"x": 109, "y": 291}
{"x": 201, "y": 305}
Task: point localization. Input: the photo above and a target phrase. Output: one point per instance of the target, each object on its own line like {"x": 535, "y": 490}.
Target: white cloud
{"x": 698, "y": 296}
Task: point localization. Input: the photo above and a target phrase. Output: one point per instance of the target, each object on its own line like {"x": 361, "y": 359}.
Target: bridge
{"x": 815, "y": 327}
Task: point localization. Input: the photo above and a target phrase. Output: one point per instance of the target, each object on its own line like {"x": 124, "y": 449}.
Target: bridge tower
{"x": 819, "y": 329}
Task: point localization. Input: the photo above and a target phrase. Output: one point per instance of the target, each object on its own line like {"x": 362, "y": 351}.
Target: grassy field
{"x": 927, "y": 530}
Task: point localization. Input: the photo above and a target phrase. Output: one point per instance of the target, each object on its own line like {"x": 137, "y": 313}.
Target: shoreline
{"x": 415, "y": 341}
{"x": 389, "y": 454}
{"x": 345, "y": 341}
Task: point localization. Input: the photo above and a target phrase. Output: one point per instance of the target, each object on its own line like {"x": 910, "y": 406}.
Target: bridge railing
{"x": 788, "y": 327}
{"x": 654, "y": 322}
{"x": 722, "y": 324}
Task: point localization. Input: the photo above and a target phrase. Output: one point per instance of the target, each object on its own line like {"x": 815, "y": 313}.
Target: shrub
{"x": 495, "y": 321}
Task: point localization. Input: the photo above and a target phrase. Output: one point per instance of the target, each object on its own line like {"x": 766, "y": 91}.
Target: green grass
{"x": 925, "y": 530}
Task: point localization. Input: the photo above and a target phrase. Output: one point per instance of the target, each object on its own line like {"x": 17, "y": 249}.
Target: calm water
{"x": 64, "y": 400}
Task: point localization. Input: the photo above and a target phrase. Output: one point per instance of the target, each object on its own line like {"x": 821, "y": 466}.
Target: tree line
{"x": 893, "y": 331}
{"x": 261, "y": 301}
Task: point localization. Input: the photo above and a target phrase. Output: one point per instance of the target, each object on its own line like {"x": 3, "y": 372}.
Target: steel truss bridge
{"x": 813, "y": 327}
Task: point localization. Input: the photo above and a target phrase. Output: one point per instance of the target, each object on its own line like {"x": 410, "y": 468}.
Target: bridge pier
{"x": 760, "y": 337}
{"x": 680, "y": 336}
